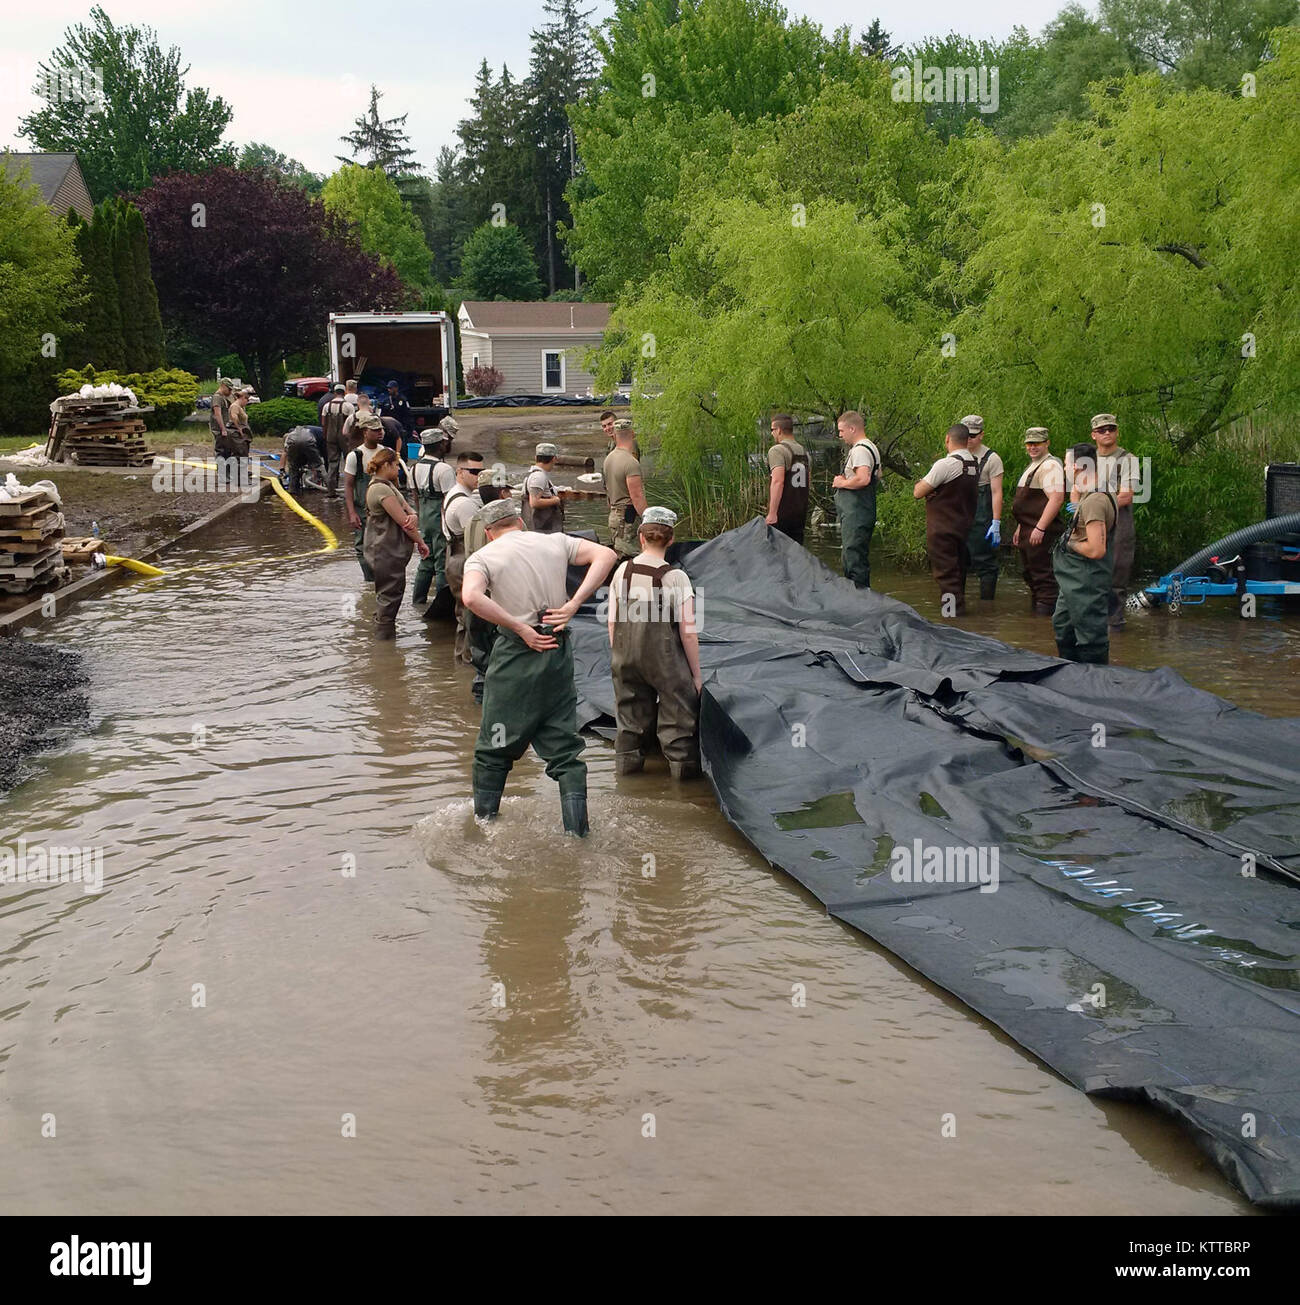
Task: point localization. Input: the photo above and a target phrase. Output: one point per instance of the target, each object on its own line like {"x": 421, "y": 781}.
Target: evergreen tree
{"x": 876, "y": 43}
{"x": 151, "y": 328}
{"x": 124, "y": 275}
{"x": 563, "y": 69}
{"x": 380, "y": 142}
{"x": 105, "y": 343}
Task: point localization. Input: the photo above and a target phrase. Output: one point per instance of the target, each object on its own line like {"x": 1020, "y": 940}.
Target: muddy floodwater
{"x": 303, "y": 935}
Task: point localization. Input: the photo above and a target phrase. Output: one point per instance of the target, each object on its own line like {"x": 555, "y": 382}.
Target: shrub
{"x": 481, "y": 381}
{"x": 171, "y": 392}
{"x": 277, "y": 416}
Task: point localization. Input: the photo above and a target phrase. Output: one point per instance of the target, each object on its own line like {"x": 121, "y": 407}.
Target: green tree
{"x": 563, "y": 67}
{"x": 380, "y": 142}
{"x": 151, "y": 328}
{"x": 1198, "y": 42}
{"x": 255, "y": 155}
{"x": 876, "y": 43}
{"x": 497, "y": 263}
{"x": 40, "y": 295}
{"x": 146, "y": 122}
{"x": 385, "y": 226}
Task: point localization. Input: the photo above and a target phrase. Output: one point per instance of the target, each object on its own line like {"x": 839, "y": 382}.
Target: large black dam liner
{"x": 1143, "y": 933}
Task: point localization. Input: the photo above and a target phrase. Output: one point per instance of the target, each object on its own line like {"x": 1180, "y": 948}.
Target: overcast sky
{"x": 296, "y": 74}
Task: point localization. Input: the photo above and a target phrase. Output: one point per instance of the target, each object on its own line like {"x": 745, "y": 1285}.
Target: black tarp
{"x": 1143, "y": 936}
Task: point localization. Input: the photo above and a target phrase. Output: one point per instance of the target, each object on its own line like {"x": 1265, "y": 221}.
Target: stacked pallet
{"x": 31, "y": 543}
{"x": 98, "y": 431}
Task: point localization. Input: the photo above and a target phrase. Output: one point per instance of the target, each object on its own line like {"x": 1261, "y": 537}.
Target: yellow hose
{"x": 331, "y": 539}
{"x": 132, "y": 565}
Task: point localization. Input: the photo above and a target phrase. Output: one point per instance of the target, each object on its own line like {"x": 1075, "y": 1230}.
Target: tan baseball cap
{"x": 1104, "y": 419}
{"x": 1036, "y": 435}
{"x": 974, "y": 423}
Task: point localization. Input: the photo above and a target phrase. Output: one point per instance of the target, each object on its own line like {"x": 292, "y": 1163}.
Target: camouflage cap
{"x": 370, "y": 421}
{"x": 546, "y": 450}
{"x": 623, "y": 423}
{"x": 340, "y": 387}
{"x": 498, "y": 511}
{"x": 485, "y": 478}
{"x": 659, "y": 516}
{"x": 1036, "y": 435}
{"x": 974, "y": 423}
{"x": 1104, "y": 419}
{"x": 449, "y": 425}
{"x": 431, "y": 435}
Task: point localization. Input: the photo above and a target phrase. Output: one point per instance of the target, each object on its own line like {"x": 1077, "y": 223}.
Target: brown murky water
{"x": 499, "y": 1010}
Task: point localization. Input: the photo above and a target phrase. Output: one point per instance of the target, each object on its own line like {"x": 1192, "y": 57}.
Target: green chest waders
{"x": 1083, "y": 592}
{"x": 360, "y": 482}
{"x": 983, "y": 553}
{"x": 386, "y": 552}
{"x": 432, "y": 571}
{"x": 856, "y": 510}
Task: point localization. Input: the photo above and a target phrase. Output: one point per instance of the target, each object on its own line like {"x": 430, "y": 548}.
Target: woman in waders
{"x": 391, "y": 531}
{"x": 1083, "y": 561}
{"x": 655, "y": 654}
{"x": 1036, "y": 508}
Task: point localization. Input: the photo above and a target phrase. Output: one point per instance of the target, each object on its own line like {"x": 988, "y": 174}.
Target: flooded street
{"x": 283, "y": 809}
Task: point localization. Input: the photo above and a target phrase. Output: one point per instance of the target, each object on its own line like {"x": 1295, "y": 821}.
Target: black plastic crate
{"x": 1281, "y": 488}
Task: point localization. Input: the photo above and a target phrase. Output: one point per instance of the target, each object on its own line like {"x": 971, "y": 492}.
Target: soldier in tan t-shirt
{"x": 623, "y": 489}
{"x": 1082, "y": 562}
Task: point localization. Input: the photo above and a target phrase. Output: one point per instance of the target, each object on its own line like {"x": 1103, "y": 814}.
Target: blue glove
{"x": 994, "y": 532}
{"x": 1071, "y": 509}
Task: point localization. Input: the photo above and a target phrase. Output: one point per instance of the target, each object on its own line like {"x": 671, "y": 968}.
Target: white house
{"x": 537, "y": 347}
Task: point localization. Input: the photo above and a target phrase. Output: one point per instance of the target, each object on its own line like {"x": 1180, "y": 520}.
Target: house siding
{"x": 519, "y": 359}
{"x": 72, "y": 194}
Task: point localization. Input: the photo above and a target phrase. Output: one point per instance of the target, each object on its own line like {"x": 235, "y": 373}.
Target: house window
{"x": 553, "y": 369}
{"x": 475, "y": 363}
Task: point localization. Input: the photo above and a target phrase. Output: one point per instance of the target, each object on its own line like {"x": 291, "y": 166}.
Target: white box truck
{"x": 417, "y": 350}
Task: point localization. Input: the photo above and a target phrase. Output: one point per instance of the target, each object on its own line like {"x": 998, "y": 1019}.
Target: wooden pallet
{"x": 13, "y": 593}
{"x": 24, "y": 504}
{"x": 16, "y": 567}
{"x": 35, "y": 526}
{"x": 81, "y": 548}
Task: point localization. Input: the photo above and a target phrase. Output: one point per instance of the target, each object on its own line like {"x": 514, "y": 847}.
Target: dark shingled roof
{"x": 515, "y": 315}
{"x": 47, "y": 170}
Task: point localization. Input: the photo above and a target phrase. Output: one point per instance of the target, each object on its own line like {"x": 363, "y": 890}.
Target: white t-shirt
{"x": 538, "y": 482}
{"x": 367, "y": 457}
{"x": 444, "y": 476}
{"x": 951, "y": 466}
{"x": 992, "y": 464}
{"x": 456, "y": 513}
{"x": 1050, "y": 478}
{"x": 525, "y": 571}
{"x": 675, "y": 589}
{"x": 862, "y": 453}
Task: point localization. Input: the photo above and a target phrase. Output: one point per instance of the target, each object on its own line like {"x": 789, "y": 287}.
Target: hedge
{"x": 277, "y": 416}
{"x": 171, "y": 392}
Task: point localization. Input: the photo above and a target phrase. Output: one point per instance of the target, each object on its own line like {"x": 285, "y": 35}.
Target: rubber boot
{"x": 487, "y": 803}
{"x": 988, "y": 586}
{"x": 573, "y": 806}
{"x": 1044, "y": 609}
{"x": 628, "y": 763}
{"x": 684, "y": 769}
{"x": 476, "y": 689}
{"x": 385, "y": 632}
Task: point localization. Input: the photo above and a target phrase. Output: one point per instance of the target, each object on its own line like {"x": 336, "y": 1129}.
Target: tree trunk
{"x": 550, "y": 242}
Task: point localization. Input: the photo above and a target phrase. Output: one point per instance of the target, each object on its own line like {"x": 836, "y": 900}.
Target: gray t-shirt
{"x": 525, "y": 571}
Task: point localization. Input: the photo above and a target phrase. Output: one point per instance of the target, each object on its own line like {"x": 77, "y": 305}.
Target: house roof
{"x": 513, "y": 317}
{"x": 48, "y": 171}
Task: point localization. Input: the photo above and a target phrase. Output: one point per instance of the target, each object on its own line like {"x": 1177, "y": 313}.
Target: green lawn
{"x": 8, "y": 443}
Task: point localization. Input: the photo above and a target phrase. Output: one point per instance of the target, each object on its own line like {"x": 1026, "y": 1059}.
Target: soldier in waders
{"x": 434, "y": 479}
{"x": 622, "y": 474}
{"x": 302, "y": 455}
{"x": 543, "y": 508}
{"x": 517, "y": 581}
{"x": 787, "y": 495}
{"x": 855, "y": 498}
{"x": 481, "y": 635}
{"x": 458, "y": 507}
{"x": 391, "y": 531}
{"x": 1037, "y": 510}
{"x": 950, "y": 490}
{"x": 985, "y": 537}
{"x": 219, "y": 420}
{"x": 655, "y": 654}
{"x": 333, "y": 417}
{"x": 1118, "y": 472}
{"x": 1083, "y": 561}
{"x": 356, "y": 475}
